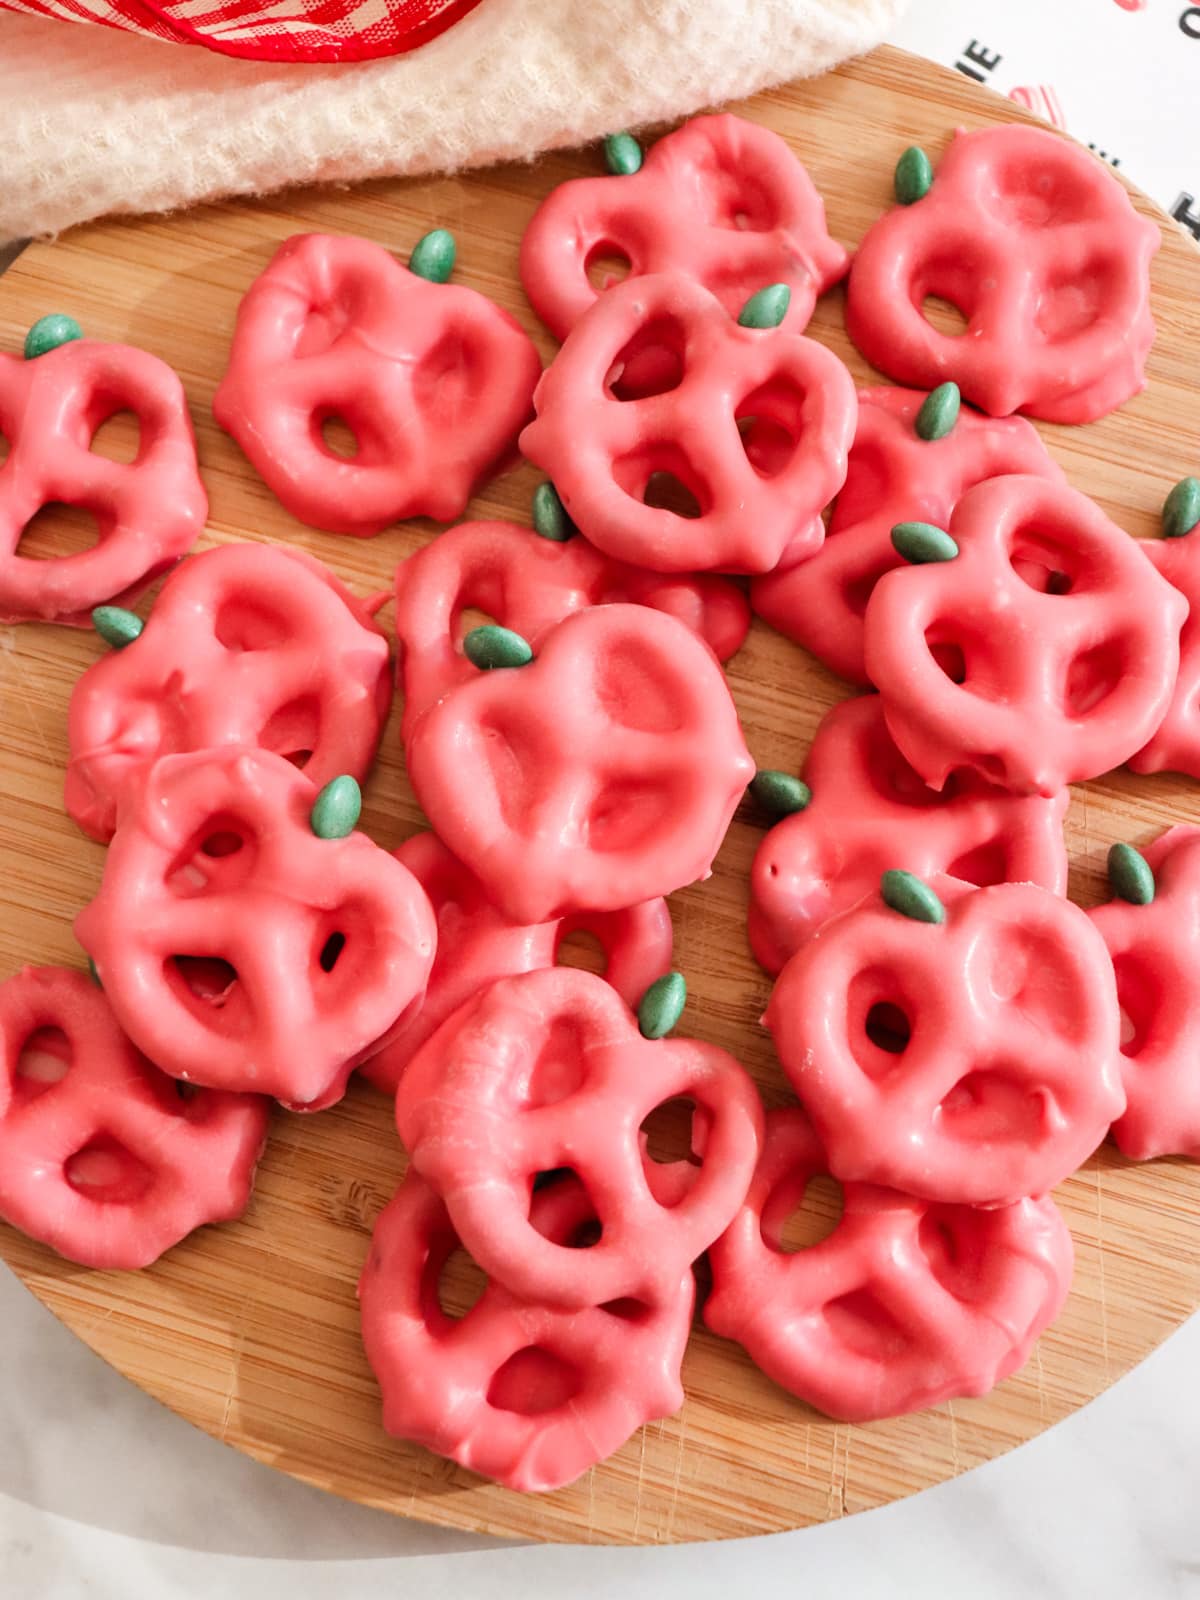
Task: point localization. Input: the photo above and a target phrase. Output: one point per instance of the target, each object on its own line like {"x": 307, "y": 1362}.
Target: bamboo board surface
{"x": 251, "y": 1330}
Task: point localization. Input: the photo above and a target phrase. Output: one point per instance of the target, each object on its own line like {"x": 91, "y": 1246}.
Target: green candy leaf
{"x": 1181, "y": 509}
{"x": 433, "y": 256}
{"x": 94, "y": 974}
{"x": 550, "y": 519}
{"x": 1130, "y": 875}
{"x": 116, "y": 626}
{"x": 920, "y": 543}
{"x": 337, "y": 808}
{"x": 939, "y": 412}
{"x": 492, "y": 646}
{"x": 49, "y": 332}
{"x": 767, "y": 308}
{"x": 622, "y": 155}
{"x": 914, "y": 176}
{"x": 778, "y": 793}
{"x": 911, "y": 897}
{"x": 662, "y": 1005}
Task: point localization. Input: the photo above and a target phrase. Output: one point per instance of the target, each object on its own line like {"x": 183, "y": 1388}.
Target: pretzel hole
{"x": 606, "y": 264}
{"x": 1091, "y": 677}
{"x": 219, "y": 854}
{"x": 1139, "y": 994}
{"x": 661, "y": 477}
{"x": 861, "y": 1324}
{"x": 1039, "y": 197}
{"x": 246, "y": 623}
{"x": 1068, "y": 307}
{"x": 667, "y": 1132}
{"x": 944, "y": 317}
{"x": 948, "y": 655}
{"x": 878, "y": 1024}
{"x": 44, "y": 1060}
{"x": 983, "y": 866}
{"x": 890, "y": 775}
{"x": 325, "y": 323}
{"x": 511, "y": 759}
{"x": 533, "y": 1382}
{"x": 581, "y": 949}
{"x": 1040, "y": 562}
{"x": 460, "y": 1284}
{"x": 58, "y": 530}
{"x": 558, "y": 1069}
{"x": 331, "y": 951}
{"x": 294, "y": 730}
{"x": 732, "y": 198}
{"x": 628, "y": 687}
{"x": 118, "y": 437}
{"x": 105, "y": 1171}
{"x": 206, "y": 980}
{"x": 627, "y": 1309}
{"x": 888, "y": 1028}
{"x": 799, "y": 1213}
{"x": 990, "y": 1106}
{"x": 769, "y": 423}
{"x": 444, "y": 383}
{"x": 338, "y": 437}
{"x": 626, "y": 813}
{"x": 649, "y": 363}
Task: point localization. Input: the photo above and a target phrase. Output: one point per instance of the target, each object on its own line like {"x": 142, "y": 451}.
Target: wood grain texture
{"x": 250, "y": 1330}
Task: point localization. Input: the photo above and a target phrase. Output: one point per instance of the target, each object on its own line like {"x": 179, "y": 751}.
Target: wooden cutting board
{"x": 250, "y": 1330}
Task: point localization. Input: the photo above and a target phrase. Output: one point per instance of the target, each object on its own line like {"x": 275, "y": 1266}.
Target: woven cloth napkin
{"x": 94, "y": 121}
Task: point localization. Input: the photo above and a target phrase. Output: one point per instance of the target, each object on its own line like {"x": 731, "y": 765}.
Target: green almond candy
{"x": 492, "y": 646}
{"x": 939, "y": 412}
{"x": 767, "y": 308}
{"x": 914, "y": 176}
{"x": 911, "y": 897}
{"x": 1130, "y": 875}
{"x": 778, "y": 793}
{"x": 433, "y": 256}
{"x": 921, "y": 543}
{"x": 49, "y": 332}
{"x": 550, "y": 519}
{"x": 116, "y": 626}
{"x": 622, "y": 155}
{"x": 662, "y": 1005}
{"x": 337, "y": 808}
{"x": 1181, "y": 509}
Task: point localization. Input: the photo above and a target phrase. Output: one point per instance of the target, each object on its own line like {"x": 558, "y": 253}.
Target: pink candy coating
{"x": 973, "y": 1061}
{"x": 1155, "y": 951}
{"x": 247, "y": 644}
{"x": 434, "y": 381}
{"x": 148, "y": 510}
{"x": 603, "y": 445}
{"x": 870, "y": 810}
{"x": 548, "y": 1070}
{"x": 216, "y": 931}
{"x": 529, "y": 584}
{"x": 819, "y": 599}
{"x": 1059, "y": 642}
{"x": 721, "y": 201}
{"x": 476, "y": 945}
{"x": 528, "y": 1394}
{"x": 905, "y": 1304}
{"x": 1038, "y": 246}
{"x": 100, "y": 1156}
{"x": 602, "y": 775}
{"x": 1175, "y": 745}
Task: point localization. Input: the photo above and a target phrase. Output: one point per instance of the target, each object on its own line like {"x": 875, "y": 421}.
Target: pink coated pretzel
{"x": 755, "y": 496}
{"x": 241, "y": 951}
{"x": 602, "y": 775}
{"x": 894, "y": 476}
{"x": 247, "y": 644}
{"x": 972, "y": 1061}
{"x": 434, "y": 381}
{"x": 869, "y": 809}
{"x": 528, "y": 1394}
{"x": 476, "y": 945}
{"x": 101, "y": 1157}
{"x": 1175, "y": 745}
{"x": 721, "y": 201}
{"x": 548, "y": 1070}
{"x": 529, "y": 584}
{"x": 1155, "y": 952}
{"x": 1038, "y": 246}
{"x": 1043, "y": 654}
{"x": 904, "y": 1305}
{"x": 148, "y": 510}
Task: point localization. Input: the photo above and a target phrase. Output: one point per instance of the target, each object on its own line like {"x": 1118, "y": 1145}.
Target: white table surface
{"x": 103, "y": 1493}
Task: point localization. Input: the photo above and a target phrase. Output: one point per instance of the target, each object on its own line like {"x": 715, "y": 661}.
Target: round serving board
{"x": 251, "y": 1330}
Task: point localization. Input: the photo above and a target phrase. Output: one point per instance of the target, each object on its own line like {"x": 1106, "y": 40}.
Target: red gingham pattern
{"x": 270, "y": 30}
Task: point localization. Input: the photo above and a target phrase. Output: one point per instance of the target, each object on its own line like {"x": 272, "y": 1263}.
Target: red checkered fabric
{"x": 270, "y": 30}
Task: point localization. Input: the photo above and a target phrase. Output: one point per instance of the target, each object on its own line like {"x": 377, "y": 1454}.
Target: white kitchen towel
{"x": 95, "y": 121}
